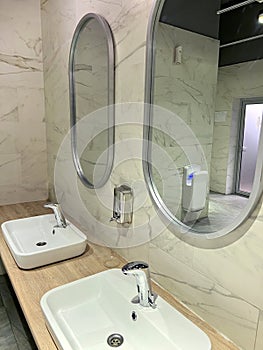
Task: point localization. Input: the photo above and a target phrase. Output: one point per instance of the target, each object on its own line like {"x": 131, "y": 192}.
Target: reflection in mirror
{"x": 91, "y": 78}
{"x": 205, "y": 64}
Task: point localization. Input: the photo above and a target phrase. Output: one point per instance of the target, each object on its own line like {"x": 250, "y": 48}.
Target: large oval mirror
{"x": 204, "y": 66}
{"x": 91, "y": 84}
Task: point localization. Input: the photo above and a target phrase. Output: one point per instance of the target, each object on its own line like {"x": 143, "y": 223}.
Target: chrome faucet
{"x": 60, "y": 218}
{"x": 140, "y": 270}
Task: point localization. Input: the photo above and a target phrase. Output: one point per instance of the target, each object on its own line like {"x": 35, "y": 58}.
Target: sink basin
{"x": 86, "y": 313}
{"x": 35, "y": 242}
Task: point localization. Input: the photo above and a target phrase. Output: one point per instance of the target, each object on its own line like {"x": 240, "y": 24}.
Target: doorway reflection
{"x": 251, "y": 119}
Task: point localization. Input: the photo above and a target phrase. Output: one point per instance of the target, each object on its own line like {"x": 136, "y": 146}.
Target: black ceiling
{"x": 240, "y": 23}
{"x": 227, "y": 3}
{"x": 200, "y": 17}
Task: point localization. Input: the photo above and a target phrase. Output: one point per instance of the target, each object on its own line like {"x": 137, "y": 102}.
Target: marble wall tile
{"x": 128, "y": 21}
{"x": 58, "y": 20}
{"x": 134, "y": 72}
{"x": 9, "y": 105}
{"x": 173, "y": 246}
{"x": 23, "y": 135}
{"x": 231, "y": 179}
{"x": 31, "y": 106}
{"x": 199, "y": 64}
{"x": 25, "y": 35}
{"x": 227, "y": 312}
{"x": 243, "y": 262}
{"x": 17, "y": 193}
{"x": 234, "y": 82}
{"x": 19, "y": 64}
{"x": 11, "y": 171}
{"x": 140, "y": 253}
{"x": 187, "y": 89}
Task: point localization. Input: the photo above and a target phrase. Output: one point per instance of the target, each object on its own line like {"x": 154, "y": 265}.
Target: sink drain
{"x": 40, "y": 244}
{"x": 115, "y": 340}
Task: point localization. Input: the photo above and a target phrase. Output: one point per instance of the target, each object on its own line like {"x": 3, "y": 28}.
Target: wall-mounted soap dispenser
{"x": 123, "y": 205}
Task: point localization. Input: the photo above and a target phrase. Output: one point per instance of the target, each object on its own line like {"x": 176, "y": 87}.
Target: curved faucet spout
{"x": 61, "y": 221}
{"x": 140, "y": 270}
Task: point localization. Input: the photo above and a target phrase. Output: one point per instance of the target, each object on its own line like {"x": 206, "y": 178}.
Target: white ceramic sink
{"x": 83, "y": 314}
{"x": 33, "y": 241}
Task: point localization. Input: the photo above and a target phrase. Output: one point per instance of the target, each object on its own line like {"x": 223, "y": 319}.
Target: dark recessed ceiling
{"x": 201, "y": 17}
{"x": 239, "y": 24}
{"x": 227, "y": 3}
{"x": 198, "y": 16}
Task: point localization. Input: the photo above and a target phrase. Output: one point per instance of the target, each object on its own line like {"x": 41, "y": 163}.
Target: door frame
{"x": 240, "y": 138}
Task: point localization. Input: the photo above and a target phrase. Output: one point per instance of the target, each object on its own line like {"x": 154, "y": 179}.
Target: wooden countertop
{"x": 30, "y": 285}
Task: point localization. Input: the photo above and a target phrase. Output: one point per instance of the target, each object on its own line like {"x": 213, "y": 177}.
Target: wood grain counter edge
{"x": 31, "y": 285}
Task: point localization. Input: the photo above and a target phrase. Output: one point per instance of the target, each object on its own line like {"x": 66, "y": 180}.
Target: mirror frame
{"x": 110, "y": 96}
{"x": 212, "y": 240}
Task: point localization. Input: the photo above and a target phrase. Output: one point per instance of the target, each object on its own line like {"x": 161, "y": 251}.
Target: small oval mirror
{"x": 91, "y": 87}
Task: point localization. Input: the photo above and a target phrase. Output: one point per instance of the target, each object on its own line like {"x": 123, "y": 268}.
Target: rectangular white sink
{"x": 36, "y": 242}
{"x": 82, "y": 315}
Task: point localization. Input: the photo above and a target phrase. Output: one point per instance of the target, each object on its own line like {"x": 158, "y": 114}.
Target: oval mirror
{"x": 204, "y": 91}
{"x": 91, "y": 85}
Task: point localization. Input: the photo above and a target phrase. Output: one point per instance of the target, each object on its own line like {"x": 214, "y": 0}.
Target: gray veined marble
{"x": 20, "y": 63}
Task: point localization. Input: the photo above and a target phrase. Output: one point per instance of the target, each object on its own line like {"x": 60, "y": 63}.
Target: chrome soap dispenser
{"x": 123, "y": 205}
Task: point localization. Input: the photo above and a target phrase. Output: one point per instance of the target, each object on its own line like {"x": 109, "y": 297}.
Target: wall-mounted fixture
{"x": 195, "y": 185}
{"x": 122, "y": 205}
{"x": 178, "y": 51}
